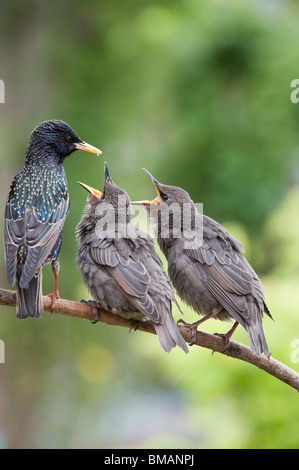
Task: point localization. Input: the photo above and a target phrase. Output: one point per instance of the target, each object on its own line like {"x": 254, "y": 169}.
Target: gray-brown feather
{"x": 125, "y": 276}
{"x": 213, "y": 275}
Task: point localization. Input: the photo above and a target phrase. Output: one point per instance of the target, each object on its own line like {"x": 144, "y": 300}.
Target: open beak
{"x": 157, "y": 199}
{"x": 92, "y": 191}
{"x": 87, "y": 147}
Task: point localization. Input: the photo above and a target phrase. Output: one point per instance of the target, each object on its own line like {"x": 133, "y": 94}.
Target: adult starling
{"x": 119, "y": 265}
{"x": 37, "y": 205}
{"x": 206, "y": 265}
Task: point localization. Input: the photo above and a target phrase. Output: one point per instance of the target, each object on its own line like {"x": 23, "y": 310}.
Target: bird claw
{"x": 54, "y": 297}
{"x": 96, "y": 316}
{"x": 183, "y": 321}
{"x": 193, "y": 328}
{"x": 88, "y": 302}
{"x": 137, "y": 324}
{"x": 226, "y": 337}
{"x": 95, "y": 306}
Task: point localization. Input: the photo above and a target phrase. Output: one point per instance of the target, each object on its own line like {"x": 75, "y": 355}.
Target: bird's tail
{"x": 169, "y": 335}
{"x": 257, "y": 339}
{"x": 29, "y": 299}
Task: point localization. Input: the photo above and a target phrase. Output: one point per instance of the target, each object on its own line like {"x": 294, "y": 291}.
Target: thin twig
{"x": 205, "y": 340}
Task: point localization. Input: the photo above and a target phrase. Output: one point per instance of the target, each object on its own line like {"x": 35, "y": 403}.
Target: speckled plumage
{"x": 207, "y": 268}
{"x": 123, "y": 271}
{"x": 37, "y": 206}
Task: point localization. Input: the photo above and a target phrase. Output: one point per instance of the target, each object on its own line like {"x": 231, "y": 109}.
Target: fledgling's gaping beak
{"x": 92, "y": 191}
{"x": 146, "y": 202}
{"x": 107, "y": 175}
{"x": 87, "y": 147}
{"x": 157, "y": 199}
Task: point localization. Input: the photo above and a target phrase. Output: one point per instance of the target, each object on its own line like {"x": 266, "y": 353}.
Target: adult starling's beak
{"x": 87, "y": 147}
{"x": 157, "y": 199}
{"x": 107, "y": 175}
{"x": 92, "y": 191}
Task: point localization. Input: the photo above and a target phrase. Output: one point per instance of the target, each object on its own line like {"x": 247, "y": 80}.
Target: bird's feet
{"x": 95, "y": 307}
{"x": 193, "y": 327}
{"x": 227, "y": 336}
{"x": 136, "y": 323}
{"x": 54, "y": 297}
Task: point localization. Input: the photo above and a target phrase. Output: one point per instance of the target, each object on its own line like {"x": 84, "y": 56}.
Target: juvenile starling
{"x": 37, "y": 205}
{"x": 120, "y": 267}
{"x": 206, "y": 265}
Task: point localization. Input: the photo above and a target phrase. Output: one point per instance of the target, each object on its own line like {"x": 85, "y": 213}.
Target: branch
{"x": 205, "y": 340}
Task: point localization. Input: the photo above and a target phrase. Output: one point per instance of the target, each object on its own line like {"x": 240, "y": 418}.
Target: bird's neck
{"x": 42, "y": 155}
{"x": 93, "y": 226}
{"x": 172, "y": 226}
{"x": 172, "y": 221}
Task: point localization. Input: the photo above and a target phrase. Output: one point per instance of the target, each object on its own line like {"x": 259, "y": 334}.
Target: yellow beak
{"x": 157, "y": 200}
{"x": 92, "y": 191}
{"x": 87, "y": 147}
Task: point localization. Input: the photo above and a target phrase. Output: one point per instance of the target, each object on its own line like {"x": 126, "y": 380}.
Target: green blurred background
{"x": 199, "y": 94}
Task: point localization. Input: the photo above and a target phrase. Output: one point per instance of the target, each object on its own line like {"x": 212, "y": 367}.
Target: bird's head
{"x": 113, "y": 203}
{"x": 171, "y": 211}
{"x": 55, "y": 139}
{"x": 166, "y": 194}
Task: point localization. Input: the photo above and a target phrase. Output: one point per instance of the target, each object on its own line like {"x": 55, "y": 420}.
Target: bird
{"x": 206, "y": 266}
{"x": 119, "y": 264}
{"x": 35, "y": 211}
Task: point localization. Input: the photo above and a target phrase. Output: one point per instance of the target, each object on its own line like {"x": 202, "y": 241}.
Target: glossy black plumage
{"x": 37, "y": 206}
{"x": 206, "y": 265}
{"x": 120, "y": 266}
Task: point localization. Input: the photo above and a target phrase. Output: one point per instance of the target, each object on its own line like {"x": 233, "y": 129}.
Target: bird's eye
{"x": 164, "y": 197}
{"x": 69, "y": 138}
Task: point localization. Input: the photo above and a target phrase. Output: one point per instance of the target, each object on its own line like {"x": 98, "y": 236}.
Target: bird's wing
{"x": 37, "y": 228}
{"x": 165, "y": 289}
{"x": 130, "y": 274}
{"x": 41, "y": 236}
{"x": 225, "y": 272}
